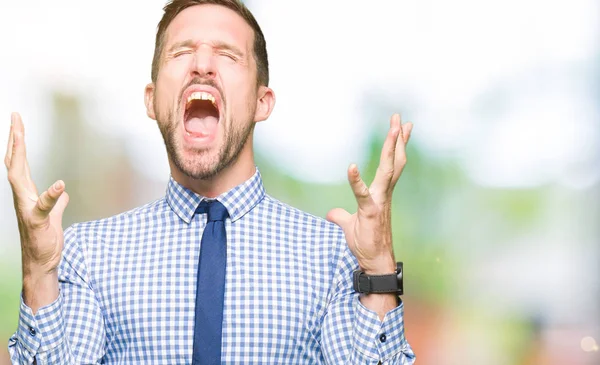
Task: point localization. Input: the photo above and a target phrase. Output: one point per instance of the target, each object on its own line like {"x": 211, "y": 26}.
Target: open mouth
{"x": 201, "y": 115}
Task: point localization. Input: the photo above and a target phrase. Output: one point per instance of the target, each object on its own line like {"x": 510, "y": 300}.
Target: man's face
{"x": 205, "y": 97}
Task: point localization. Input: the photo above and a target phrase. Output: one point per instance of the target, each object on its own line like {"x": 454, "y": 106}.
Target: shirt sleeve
{"x": 71, "y": 329}
{"x": 353, "y": 334}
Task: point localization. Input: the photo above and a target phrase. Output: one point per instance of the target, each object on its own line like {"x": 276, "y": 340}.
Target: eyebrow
{"x": 188, "y": 43}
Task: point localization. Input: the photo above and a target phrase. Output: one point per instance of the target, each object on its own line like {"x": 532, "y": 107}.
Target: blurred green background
{"x": 495, "y": 216}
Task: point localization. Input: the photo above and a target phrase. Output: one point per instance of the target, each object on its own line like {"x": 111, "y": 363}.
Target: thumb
{"x": 60, "y": 206}
{"x": 338, "y": 216}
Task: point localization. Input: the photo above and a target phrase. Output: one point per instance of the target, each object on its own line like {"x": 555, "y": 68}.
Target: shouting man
{"x": 216, "y": 271}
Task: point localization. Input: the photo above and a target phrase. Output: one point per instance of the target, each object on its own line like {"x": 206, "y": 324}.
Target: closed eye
{"x": 228, "y": 55}
{"x": 181, "y": 53}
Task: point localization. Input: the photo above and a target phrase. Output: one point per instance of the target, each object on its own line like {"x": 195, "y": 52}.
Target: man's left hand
{"x": 369, "y": 231}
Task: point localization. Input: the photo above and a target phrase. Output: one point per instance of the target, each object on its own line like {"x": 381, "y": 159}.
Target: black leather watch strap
{"x": 391, "y": 283}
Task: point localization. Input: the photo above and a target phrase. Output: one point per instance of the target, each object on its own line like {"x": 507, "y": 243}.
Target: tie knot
{"x": 214, "y": 209}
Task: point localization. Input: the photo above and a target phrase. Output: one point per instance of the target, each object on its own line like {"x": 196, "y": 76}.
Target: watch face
{"x": 399, "y": 274}
{"x": 399, "y": 270}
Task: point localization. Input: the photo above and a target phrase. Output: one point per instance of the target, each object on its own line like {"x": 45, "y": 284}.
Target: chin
{"x": 199, "y": 165}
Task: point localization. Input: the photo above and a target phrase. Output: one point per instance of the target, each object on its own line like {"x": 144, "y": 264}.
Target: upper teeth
{"x": 201, "y": 95}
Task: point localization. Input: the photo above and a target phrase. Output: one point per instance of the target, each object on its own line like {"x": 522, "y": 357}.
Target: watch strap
{"x": 390, "y": 283}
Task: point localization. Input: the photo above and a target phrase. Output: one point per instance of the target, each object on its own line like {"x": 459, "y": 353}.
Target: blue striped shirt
{"x": 128, "y": 283}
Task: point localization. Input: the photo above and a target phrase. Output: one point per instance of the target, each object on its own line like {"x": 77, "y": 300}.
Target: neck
{"x": 239, "y": 171}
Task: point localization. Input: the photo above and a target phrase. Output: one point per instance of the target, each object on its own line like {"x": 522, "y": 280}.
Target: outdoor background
{"x": 496, "y": 215}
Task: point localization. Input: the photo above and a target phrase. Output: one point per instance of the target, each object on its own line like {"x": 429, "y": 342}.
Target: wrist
{"x": 380, "y": 303}
{"x": 33, "y": 270}
{"x": 380, "y": 266}
{"x": 40, "y": 289}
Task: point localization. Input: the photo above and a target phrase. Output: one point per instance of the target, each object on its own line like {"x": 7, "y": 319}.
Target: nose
{"x": 204, "y": 65}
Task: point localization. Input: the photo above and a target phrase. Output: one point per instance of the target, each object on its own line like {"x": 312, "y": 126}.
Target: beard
{"x": 204, "y": 164}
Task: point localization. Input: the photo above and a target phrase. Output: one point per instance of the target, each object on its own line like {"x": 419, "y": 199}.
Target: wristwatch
{"x": 391, "y": 283}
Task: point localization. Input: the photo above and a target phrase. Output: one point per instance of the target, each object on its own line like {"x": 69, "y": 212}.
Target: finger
{"x": 9, "y": 145}
{"x": 401, "y": 126}
{"x": 18, "y": 153}
{"x": 59, "y": 209}
{"x": 400, "y": 158}
{"x": 406, "y": 130}
{"x": 48, "y": 199}
{"x": 385, "y": 170}
{"x": 18, "y": 169}
{"x": 360, "y": 190}
{"x": 339, "y": 216}
{"x": 15, "y": 168}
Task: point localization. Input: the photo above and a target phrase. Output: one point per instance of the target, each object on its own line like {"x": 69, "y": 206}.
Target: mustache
{"x": 201, "y": 81}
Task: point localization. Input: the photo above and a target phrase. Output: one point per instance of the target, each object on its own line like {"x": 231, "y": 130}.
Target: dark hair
{"x": 174, "y": 7}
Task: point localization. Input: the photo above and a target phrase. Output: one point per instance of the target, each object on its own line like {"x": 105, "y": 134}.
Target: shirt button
{"x": 383, "y": 337}
{"x": 32, "y": 331}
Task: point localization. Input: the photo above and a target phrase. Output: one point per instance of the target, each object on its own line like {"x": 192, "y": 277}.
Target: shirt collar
{"x": 238, "y": 201}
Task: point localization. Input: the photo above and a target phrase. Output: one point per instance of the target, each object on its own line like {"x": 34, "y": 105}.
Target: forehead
{"x": 205, "y": 23}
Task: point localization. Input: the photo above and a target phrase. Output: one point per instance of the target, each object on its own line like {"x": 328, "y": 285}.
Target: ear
{"x": 264, "y": 104}
{"x": 149, "y": 100}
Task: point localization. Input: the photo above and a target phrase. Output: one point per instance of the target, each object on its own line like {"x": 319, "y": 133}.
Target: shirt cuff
{"x": 43, "y": 331}
{"x": 379, "y": 339}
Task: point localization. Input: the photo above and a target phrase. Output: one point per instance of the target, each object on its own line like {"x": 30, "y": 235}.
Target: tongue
{"x": 202, "y": 125}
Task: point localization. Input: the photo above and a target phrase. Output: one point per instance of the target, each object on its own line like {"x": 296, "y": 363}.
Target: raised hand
{"x": 369, "y": 231}
{"x": 40, "y": 222}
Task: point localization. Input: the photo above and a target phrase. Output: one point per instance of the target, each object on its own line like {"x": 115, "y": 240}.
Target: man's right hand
{"x": 40, "y": 222}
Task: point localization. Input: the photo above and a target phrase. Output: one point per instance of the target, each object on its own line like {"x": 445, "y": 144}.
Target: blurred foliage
{"x": 10, "y": 288}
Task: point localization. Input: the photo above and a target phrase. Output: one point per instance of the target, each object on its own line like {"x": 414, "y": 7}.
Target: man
{"x": 216, "y": 271}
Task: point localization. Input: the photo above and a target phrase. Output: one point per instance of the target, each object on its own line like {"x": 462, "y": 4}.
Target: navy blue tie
{"x": 210, "y": 289}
